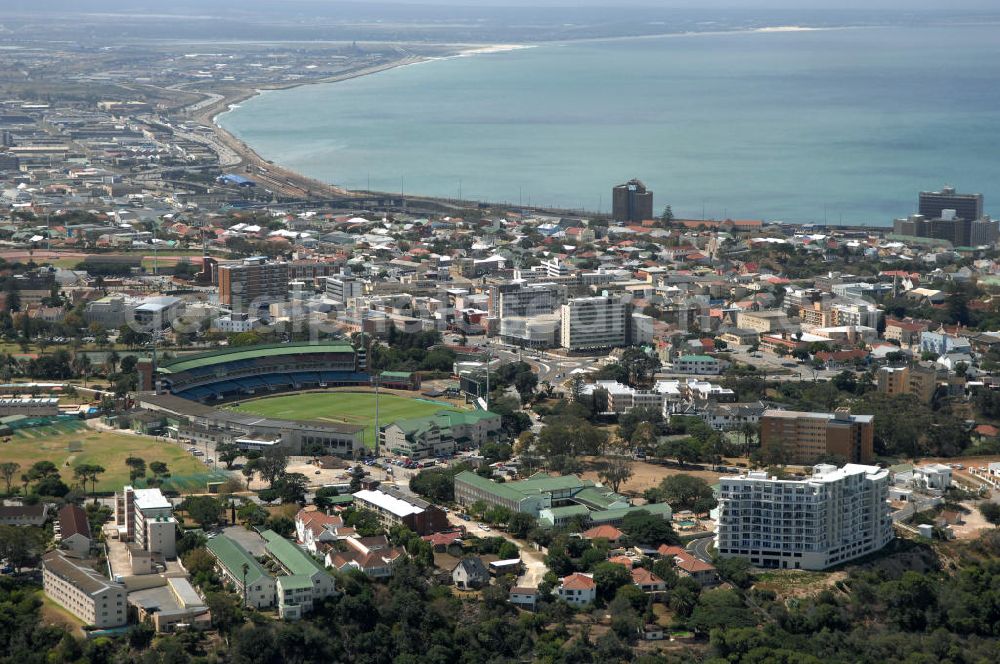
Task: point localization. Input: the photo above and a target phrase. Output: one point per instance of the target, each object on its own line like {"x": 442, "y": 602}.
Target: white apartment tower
{"x": 594, "y": 322}
{"x": 831, "y": 517}
{"x": 145, "y": 516}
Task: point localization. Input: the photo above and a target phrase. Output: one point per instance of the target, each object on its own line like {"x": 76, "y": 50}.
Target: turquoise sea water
{"x": 843, "y": 125}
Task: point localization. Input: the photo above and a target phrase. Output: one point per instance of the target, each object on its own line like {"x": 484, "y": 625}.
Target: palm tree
{"x": 246, "y": 569}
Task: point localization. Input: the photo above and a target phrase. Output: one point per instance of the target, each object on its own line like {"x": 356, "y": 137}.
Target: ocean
{"x": 807, "y": 126}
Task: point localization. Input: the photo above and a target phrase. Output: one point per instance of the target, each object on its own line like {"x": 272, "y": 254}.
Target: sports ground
{"x": 70, "y": 442}
{"x": 344, "y": 407}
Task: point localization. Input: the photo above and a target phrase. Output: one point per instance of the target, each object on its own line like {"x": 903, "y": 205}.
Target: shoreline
{"x": 310, "y": 186}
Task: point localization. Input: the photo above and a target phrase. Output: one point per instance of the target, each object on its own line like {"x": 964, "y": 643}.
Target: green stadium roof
{"x": 235, "y": 354}
{"x": 396, "y": 374}
{"x": 291, "y": 557}
{"x": 232, "y": 556}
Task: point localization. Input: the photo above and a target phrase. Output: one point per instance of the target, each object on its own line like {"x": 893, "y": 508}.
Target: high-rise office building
{"x": 594, "y": 322}
{"x": 254, "y": 280}
{"x": 804, "y": 438}
{"x": 966, "y": 206}
{"x": 826, "y": 519}
{"x": 631, "y": 202}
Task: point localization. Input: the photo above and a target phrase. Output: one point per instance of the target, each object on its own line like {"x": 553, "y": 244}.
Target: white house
{"x": 577, "y": 589}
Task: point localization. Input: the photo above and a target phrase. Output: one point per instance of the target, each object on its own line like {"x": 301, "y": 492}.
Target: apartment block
{"x": 241, "y": 570}
{"x": 343, "y": 288}
{"x": 253, "y": 279}
{"x": 833, "y": 516}
{"x": 590, "y": 323}
{"x": 803, "y": 438}
{"x": 394, "y": 508}
{"x": 917, "y": 380}
{"x": 762, "y": 322}
{"x": 145, "y": 516}
{"x": 83, "y": 592}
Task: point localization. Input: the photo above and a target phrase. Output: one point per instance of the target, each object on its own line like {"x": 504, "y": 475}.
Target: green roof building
{"x": 440, "y": 434}
{"x": 555, "y": 500}
{"x": 232, "y": 559}
{"x": 306, "y": 580}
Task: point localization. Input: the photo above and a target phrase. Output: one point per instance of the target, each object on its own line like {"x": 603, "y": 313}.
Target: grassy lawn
{"x": 346, "y": 407}
{"x": 53, "y": 614}
{"x": 107, "y": 449}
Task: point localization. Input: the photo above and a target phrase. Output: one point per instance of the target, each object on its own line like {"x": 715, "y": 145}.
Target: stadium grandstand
{"x": 247, "y": 371}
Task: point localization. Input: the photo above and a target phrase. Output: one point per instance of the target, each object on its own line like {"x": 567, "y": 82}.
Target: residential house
{"x": 524, "y": 598}
{"x": 687, "y": 565}
{"x": 577, "y": 589}
{"x": 470, "y": 573}
{"x": 610, "y": 533}
{"x": 372, "y": 556}
{"x": 647, "y": 582}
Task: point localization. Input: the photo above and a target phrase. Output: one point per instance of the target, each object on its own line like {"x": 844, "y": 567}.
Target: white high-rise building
{"x": 145, "y": 516}
{"x": 831, "y": 517}
{"x": 589, "y": 323}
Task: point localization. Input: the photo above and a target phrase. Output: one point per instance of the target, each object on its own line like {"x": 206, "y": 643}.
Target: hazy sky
{"x": 725, "y": 4}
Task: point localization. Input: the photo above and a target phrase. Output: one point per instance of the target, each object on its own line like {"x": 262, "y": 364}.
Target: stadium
{"x": 188, "y": 393}
{"x": 243, "y": 372}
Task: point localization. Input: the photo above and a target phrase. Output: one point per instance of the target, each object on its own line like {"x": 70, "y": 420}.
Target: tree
{"x": 281, "y": 525}
{"x": 252, "y": 514}
{"x": 990, "y": 512}
{"x": 273, "y": 464}
{"x": 649, "y": 529}
{"x": 21, "y": 545}
{"x": 225, "y": 609}
{"x": 205, "y": 510}
{"x": 520, "y": 524}
{"x": 616, "y": 471}
{"x": 227, "y": 453}
{"x": 198, "y": 561}
{"x": 644, "y": 436}
{"x": 357, "y": 477}
{"x": 137, "y": 468}
{"x": 8, "y": 470}
{"x": 159, "y": 469}
{"x": 321, "y": 498}
{"x": 684, "y": 492}
{"x": 291, "y": 487}
{"x": 609, "y": 577}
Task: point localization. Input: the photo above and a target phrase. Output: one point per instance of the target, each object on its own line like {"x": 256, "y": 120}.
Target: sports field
{"x": 345, "y": 407}
{"x": 71, "y": 442}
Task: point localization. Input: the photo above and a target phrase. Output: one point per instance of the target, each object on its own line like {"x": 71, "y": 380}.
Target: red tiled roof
{"x": 442, "y": 539}
{"x": 643, "y": 577}
{"x": 577, "y": 581}
{"x": 606, "y": 531}
{"x": 621, "y": 560}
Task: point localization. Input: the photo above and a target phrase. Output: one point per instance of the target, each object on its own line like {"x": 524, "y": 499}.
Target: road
{"x": 699, "y": 548}
{"x": 534, "y": 561}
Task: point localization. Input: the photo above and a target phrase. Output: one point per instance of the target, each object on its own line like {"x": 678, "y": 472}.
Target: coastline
{"x": 293, "y": 183}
